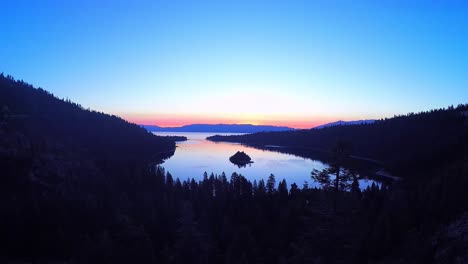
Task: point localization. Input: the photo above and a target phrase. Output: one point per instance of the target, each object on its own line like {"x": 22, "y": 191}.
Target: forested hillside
{"x": 63, "y": 167}
{"x": 47, "y": 119}
{"x": 408, "y": 144}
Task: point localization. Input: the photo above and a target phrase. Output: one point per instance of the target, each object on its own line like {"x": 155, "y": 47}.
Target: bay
{"x": 197, "y": 155}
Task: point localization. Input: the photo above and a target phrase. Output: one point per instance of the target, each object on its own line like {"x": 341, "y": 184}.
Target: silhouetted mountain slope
{"x": 64, "y": 172}
{"x": 346, "y": 123}
{"x": 218, "y": 128}
{"x": 406, "y": 144}
{"x": 47, "y": 119}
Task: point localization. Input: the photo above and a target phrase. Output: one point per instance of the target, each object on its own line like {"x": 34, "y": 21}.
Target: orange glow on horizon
{"x": 177, "y": 121}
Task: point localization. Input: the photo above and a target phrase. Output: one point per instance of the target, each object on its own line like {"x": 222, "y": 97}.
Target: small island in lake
{"x": 240, "y": 159}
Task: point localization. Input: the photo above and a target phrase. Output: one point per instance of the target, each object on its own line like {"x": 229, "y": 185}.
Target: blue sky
{"x": 298, "y": 63}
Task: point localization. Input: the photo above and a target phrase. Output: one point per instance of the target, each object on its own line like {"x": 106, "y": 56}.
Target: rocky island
{"x": 240, "y": 159}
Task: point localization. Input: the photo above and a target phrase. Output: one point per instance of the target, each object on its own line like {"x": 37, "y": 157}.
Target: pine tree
{"x": 283, "y": 189}
{"x": 270, "y": 185}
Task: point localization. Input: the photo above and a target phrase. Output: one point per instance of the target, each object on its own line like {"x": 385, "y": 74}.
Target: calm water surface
{"x": 197, "y": 155}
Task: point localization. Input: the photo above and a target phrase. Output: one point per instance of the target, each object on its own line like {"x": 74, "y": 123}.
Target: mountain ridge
{"x": 346, "y": 123}
{"x": 218, "y": 128}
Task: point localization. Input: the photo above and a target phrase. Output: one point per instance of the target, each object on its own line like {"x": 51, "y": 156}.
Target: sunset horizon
{"x": 175, "y": 122}
{"x": 298, "y": 64}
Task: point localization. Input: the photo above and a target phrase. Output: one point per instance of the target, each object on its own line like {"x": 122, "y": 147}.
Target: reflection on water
{"x": 197, "y": 155}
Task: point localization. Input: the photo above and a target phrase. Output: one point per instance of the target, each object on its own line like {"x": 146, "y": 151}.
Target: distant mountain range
{"x": 346, "y": 123}
{"x": 218, "y": 128}
{"x": 244, "y": 128}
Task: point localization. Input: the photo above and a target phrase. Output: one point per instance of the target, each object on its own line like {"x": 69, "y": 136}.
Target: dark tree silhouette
{"x": 342, "y": 176}
{"x": 270, "y": 185}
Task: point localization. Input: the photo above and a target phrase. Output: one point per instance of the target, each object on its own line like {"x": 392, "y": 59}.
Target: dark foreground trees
{"x": 153, "y": 219}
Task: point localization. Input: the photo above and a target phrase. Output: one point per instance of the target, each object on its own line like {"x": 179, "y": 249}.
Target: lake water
{"x": 197, "y": 155}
